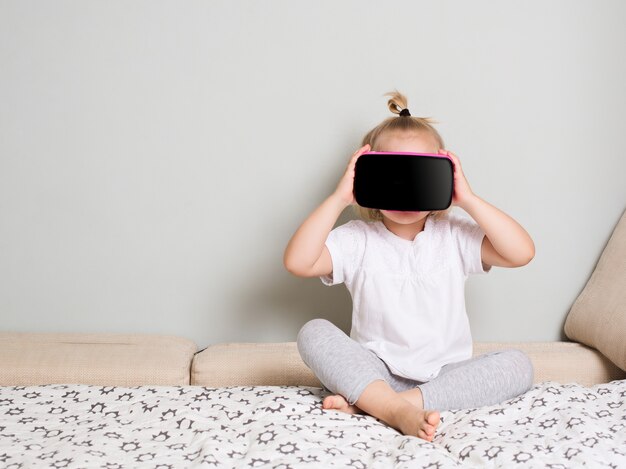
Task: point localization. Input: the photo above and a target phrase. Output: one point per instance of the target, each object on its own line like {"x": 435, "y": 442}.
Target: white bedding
{"x": 552, "y": 425}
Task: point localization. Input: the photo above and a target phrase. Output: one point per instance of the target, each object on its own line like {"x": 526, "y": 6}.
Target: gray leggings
{"x": 346, "y": 367}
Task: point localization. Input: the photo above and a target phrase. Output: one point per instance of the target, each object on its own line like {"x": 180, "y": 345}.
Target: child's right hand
{"x": 345, "y": 188}
{"x": 306, "y": 254}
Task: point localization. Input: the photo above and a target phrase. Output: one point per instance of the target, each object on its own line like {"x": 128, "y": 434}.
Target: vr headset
{"x": 404, "y": 181}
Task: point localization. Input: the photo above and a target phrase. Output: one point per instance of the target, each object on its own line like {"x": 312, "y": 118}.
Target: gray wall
{"x": 156, "y": 157}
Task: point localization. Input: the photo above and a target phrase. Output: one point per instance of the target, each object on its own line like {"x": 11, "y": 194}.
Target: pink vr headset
{"x": 404, "y": 181}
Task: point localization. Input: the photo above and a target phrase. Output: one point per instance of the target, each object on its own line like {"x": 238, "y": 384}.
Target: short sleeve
{"x": 345, "y": 244}
{"x": 467, "y": 236}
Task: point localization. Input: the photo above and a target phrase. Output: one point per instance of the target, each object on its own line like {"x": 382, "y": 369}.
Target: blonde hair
{"x": 404, "y": 123}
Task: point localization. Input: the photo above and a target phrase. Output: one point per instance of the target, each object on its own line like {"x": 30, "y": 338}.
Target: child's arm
{"x": 306, "y": 254}
{"x": 506, "y": 243}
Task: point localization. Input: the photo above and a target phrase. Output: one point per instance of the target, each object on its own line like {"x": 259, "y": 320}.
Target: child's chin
{"x": 401, "y": 215}
{"x": 402, "y": 212}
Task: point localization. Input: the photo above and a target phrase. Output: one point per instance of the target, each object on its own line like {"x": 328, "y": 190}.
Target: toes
{"x": 424, "y": 436}
{"x": 431, "y": 421}
{"x": 433, "y": 418}
{"x": 428, "y": 431}
{"x": 334, "y": 402}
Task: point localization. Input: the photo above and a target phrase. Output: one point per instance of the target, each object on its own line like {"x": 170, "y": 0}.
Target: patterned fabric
{"x": 66, "y": 426}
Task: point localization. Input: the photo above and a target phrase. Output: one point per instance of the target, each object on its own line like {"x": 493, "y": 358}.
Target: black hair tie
{"x": 405, "y": 112}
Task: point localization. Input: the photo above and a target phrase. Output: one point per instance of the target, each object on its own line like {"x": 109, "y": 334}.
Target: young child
{"x": 409, "y": 353}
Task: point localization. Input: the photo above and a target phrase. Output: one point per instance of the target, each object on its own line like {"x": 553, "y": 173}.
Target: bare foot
{"x": 417, "y": 422}
{"x": 420, "y": 423}
{"x": 338, "y": 402}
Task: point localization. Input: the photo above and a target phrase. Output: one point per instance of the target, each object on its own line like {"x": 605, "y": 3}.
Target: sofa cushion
{"x": 254, "y": 363}
{"x": 102, "y": 359}
{"x": 598, "y": 316}
{"x": 279, "y": 364}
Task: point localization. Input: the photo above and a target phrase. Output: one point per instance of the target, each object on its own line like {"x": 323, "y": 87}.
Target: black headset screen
{"x": 403, "y": 182}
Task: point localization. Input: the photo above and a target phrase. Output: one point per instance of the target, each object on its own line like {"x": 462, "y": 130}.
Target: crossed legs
{"x": 362, "y": 382}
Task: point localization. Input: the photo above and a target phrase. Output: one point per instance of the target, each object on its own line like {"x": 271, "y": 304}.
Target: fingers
{"x": 448, "y": 153}
{"x": 355, "y": 156}
{"x": 346, "y": 184}
{"x": 455, "y": 159}
{"x": 363, "y": 149}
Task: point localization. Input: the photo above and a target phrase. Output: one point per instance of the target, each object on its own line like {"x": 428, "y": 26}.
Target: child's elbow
{"x": 531, "y": 251}
{"x": 530, "y": 254}
{"x": 291, "y": 267}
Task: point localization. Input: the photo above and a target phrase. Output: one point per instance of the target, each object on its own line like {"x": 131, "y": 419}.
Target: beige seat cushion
{"x": 563, "y": 362}
{"x": 598, "y": 316}
{"x": 275, "y": 364}
{"x": 101, "y": 359}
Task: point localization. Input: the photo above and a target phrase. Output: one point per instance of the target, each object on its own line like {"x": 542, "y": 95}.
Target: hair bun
{"x": 397, "y": 102}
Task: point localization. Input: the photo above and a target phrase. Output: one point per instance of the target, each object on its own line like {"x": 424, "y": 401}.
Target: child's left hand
{"x": 462, "y": 192}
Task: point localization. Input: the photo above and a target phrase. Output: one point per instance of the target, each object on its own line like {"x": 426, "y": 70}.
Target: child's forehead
{"x": 411, "y": 141}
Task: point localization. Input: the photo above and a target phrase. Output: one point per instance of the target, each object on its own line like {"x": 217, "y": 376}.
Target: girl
{"x": 409, "y": 353}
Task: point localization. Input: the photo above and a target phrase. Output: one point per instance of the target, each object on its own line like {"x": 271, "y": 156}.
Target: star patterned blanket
{"x": 73, "y": 426}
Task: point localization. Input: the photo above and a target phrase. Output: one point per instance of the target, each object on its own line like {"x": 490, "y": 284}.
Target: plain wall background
{"x": 156, "y": 157}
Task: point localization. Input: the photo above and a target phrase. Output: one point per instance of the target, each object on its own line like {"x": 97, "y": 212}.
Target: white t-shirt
{"x": 408, "y": 297}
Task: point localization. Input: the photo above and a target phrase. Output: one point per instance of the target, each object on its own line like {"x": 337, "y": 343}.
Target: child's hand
{"x": 462, "y": 192}
{"x": 345, "y": 188}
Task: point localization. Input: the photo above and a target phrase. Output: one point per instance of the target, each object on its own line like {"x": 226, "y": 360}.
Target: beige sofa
{"x": 596, "y": 323}
{"x": 134, "y": 360}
